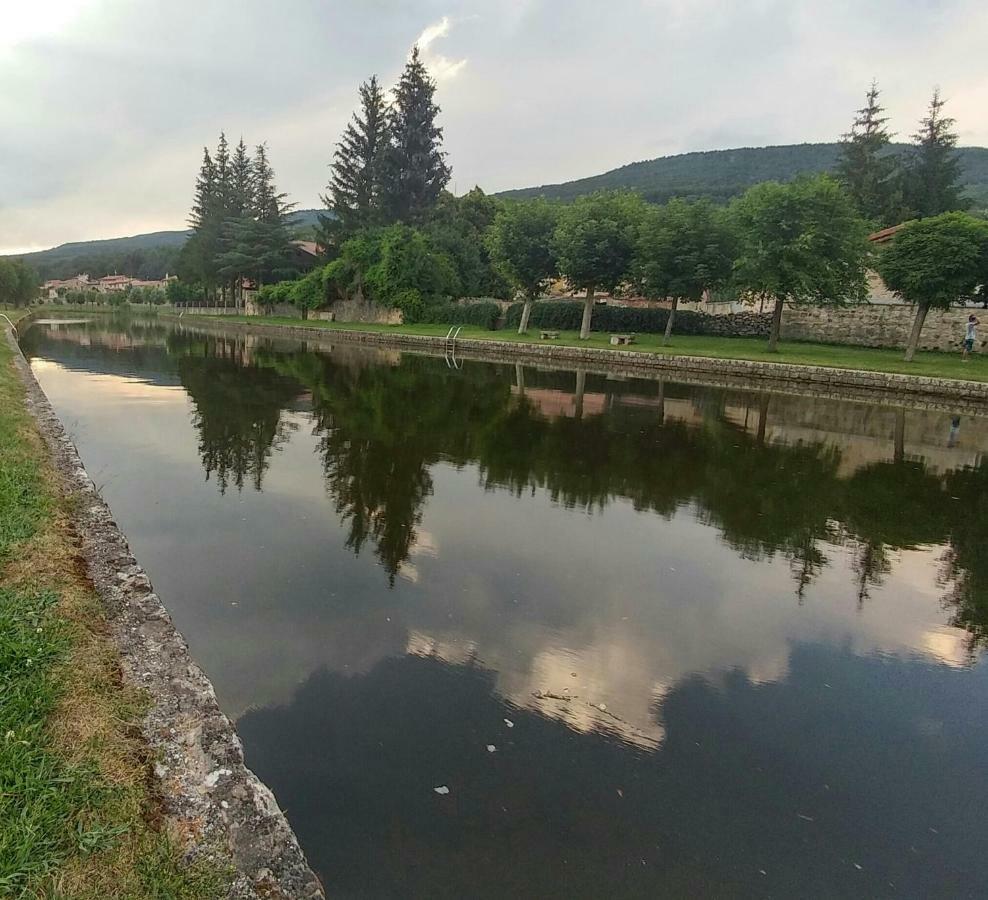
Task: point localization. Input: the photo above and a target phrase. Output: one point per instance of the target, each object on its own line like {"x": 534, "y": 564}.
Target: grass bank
{"x": 77, "y": 817}
{"x": 927, "y": 364}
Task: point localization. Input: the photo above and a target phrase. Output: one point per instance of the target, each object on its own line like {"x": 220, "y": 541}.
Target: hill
{"x": 151, "y": 255}
{"x": 723, "y": 174}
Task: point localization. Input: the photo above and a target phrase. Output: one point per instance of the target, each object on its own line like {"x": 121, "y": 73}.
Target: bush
{"x": 483, "y": 314}
{"x": 565, "y": 315}
{"x": 411, "y": 304}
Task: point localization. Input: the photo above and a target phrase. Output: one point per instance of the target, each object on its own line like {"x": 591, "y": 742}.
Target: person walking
{"x": 970, "y": 336}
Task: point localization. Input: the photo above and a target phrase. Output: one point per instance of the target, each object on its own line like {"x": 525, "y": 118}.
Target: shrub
{"x": 565, "y": 315}
{"x": 410, "y": 303}
{"x": 483, "y": 314}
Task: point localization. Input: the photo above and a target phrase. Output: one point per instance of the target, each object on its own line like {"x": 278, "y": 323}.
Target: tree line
{"x": 240, "y": 224}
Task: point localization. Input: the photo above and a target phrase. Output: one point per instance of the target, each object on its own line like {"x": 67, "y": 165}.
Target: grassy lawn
{"x": 76, "y": 817}
{"x": 942, "y": 365}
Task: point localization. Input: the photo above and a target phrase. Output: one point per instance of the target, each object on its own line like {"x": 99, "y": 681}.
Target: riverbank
{"x": 835, "y": 356}
{"x": 779, "y": 372}
{"x": 119, "y": 775}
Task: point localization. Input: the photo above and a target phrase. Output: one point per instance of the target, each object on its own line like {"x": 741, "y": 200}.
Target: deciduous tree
{"x": 933, "y": 263}
{"x": 521, "y": 245}
{"x": 594, "y": 244}
{"x": 683, "y": 249}
{"x": 801, "y": 242}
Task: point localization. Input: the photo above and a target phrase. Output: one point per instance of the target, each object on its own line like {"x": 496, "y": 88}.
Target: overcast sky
{"x": 105, "y": 104}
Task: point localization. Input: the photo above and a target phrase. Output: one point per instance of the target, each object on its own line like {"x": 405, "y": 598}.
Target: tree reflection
{"x": 383, "y": 426}
{"x": 238, "y": 410}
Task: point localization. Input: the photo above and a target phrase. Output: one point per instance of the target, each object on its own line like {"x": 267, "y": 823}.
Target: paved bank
{"x": 854, "y": 384}
{"x": 208, "y": 796}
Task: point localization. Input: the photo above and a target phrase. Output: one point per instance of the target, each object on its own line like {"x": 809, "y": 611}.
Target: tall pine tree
{"x": 932, "y": 183}
{"x": 242, "y": 181}
{"x": 417, "y": 170}
{"x": 866, "y": 167}
{"x": 356, "y": 186}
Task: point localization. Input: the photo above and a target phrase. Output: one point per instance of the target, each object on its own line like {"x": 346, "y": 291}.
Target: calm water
{"x": 655, "y": 639}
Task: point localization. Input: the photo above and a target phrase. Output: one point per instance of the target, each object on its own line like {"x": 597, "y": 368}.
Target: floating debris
{"x": 509, "y": 723}
{"x": 442, "y": 789}
{"x": 491, "y": 748}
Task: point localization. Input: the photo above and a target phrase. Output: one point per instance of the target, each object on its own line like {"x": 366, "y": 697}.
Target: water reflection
{"x": 712, "y": 601}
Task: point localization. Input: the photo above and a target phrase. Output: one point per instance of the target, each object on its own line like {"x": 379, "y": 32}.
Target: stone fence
{"x": 875, "y": 325}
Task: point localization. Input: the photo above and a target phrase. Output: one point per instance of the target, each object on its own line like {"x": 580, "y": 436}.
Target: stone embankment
{"x": 218, "y": 807}
{"x": 847, "y": 384}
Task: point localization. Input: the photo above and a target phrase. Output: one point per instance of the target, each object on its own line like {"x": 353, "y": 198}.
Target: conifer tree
{"x": 934, "y": 172}
{"x": 202, "y": 203}
{"x": 355, "y": 188}
{"x": 865, "y": 167}
{"x": 241, "y": 181}
{"x": 417, "y": 170}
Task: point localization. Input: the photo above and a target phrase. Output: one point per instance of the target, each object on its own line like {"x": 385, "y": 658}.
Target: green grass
{"x": 930, "y": 364}
{"x": 76, "y": 819}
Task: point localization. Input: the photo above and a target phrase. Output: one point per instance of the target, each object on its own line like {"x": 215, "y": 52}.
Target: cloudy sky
{"x": 105, "y": 104}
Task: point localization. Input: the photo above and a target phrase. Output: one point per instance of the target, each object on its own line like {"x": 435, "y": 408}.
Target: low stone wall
{"x": 217, "y": 806}
{"x": 847, "y": 384}
{"x": 739, "y": 324}
{"x": 874, "y": 325}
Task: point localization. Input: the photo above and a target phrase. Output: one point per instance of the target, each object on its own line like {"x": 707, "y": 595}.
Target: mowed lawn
{"x": 930, "y": 364}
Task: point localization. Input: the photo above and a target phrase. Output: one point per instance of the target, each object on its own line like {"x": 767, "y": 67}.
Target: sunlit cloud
{"x": 441, "y": 67}
{"x": 24, "y": 21}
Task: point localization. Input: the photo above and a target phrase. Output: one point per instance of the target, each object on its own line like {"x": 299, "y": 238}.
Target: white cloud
{"x": 442, "y": 68}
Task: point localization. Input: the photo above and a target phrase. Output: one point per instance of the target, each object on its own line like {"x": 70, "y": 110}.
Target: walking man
{"x": 971, "y": 335}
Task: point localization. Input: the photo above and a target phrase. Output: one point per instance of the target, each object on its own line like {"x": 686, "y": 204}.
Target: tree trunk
{"x": 587, "y": 314}
{"x": 662, "y": 401}
{"x": 921, "y": 312}
{"x": 899, "y": 437}
{"x": 581, "y": 381}
{"x": 525, "y": 313}
{"x": 773, "y": 338}
{"x": 670, "y": 320}
{"x": 520, "y": 378}
{"x": 762, "y": 417}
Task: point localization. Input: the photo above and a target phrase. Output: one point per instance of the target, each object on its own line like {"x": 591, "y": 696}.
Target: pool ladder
{"x": 449, "y": 347}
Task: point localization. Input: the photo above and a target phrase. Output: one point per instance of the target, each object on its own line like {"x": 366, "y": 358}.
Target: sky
{"x": 105, "y": 105}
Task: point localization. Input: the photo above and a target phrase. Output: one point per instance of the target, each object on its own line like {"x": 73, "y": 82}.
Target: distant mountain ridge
{"x": 723, "y": 174}
{"x": 150, "y": 255}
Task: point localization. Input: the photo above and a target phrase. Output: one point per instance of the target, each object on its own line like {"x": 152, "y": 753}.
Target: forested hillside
{"x": 723, "y": 174}
{"x": 151, "y": 255}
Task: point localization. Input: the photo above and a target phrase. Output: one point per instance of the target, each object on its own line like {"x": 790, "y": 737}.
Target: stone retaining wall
{"x": 210, "y": 798}
{"x": 876, "y": 325}
{"x": 849, "y": 384}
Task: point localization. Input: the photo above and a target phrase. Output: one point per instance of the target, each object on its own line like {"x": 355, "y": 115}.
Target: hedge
{"x": 482, "y": 314}
{"x": 567, "y": 315}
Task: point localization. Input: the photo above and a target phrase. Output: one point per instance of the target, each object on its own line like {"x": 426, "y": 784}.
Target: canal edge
{"x": 208, "y": 793}
{"x": 846, "y": 384}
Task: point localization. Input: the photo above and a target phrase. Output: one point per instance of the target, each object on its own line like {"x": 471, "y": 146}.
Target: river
{"x": 499, "y": 631}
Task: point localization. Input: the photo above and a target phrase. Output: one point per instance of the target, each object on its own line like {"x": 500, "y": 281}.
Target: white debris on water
{"x": 509, "y": 723}
{"x": 442, "y": 789}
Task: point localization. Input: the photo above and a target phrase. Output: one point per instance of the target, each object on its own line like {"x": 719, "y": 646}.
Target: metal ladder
{"x": 449, "y": 347}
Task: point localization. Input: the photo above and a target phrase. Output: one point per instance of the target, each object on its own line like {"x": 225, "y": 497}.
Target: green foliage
{"x": 937, "y": 261}
{"x": 457, "y": 226}
{"x": 867, "y": 169}
{"x": 594, "y": 242}
{"x": 485, "y": 314}
{"x": 356, "y": 188}
{"x": 565, "y": 315}
{"x": 416, "y": 170}
{"x": 933, "y": 173}
{"x": 18, "y": 282}
{"x": 406, "y": 261}
{"x": 177, "y": 291}
{"x": 520, "y": 241}
{"x": 801, "y": 242}
{"x": 683, "y": 249}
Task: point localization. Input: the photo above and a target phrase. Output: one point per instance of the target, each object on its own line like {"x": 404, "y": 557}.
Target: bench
{"x": 548, "y": 335}
{"x": 618, "y": 339}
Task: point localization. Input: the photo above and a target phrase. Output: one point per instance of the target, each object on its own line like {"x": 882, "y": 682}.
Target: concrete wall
{"x": 874, "y": 325}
